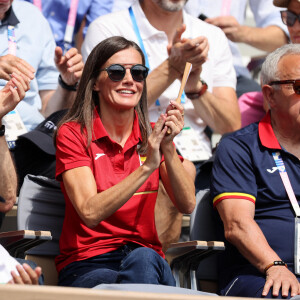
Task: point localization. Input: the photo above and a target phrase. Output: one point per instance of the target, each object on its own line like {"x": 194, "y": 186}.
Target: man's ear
{"x": 268, "y": 92}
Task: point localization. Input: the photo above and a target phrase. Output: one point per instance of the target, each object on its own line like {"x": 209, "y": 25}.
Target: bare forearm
{"x": 245, "y": 236}
{"x": 178, "y": 182}
{"x": 96, "y": 208}
{"x": 8, "y": 182}
{"x": 266, "y": 39}
{"x": 56, "y": 100}
{"x": 220, "y": 114}
{"x": 159, "y": 80}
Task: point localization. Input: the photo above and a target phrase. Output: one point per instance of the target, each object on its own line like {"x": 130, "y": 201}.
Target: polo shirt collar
{"x": 266, "y": 134}
{"x": 10, "y": 18}
{"x": 100, "y": 131}
{"x": 145, "y": 28}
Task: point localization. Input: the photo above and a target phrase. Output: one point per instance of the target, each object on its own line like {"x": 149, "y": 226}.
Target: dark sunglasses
{"x": 117, "y": 72}
{"x": 295, "y": 83}
{"x": 289, "y": 18}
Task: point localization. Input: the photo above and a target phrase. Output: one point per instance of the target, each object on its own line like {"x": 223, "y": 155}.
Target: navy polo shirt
{"x": 244, "y": 170}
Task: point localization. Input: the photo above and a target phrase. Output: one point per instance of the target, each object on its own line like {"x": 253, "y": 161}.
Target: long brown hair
{"x": 82, "y": 110}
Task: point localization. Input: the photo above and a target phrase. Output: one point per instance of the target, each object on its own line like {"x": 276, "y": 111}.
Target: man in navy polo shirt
{"x": 249, "y": 194}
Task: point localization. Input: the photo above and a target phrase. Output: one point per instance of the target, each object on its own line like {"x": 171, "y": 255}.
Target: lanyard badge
{"x": 14, "y": 127}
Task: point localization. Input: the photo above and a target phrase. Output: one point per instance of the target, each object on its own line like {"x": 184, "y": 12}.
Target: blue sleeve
{"x": 233, "y": 173}
{"x": 97, "y": 9}
{"x": 47, "y": 74}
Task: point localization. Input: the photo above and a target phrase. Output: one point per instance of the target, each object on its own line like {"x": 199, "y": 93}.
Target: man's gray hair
{"x": 269, "y": 70}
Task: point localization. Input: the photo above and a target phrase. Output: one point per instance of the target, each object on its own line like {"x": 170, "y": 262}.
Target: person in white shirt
{"x": 230, "y": 15}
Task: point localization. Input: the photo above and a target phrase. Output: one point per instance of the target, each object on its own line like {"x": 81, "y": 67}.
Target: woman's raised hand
{"x": 174, "y": 121}
{"x": 154, "y": 141}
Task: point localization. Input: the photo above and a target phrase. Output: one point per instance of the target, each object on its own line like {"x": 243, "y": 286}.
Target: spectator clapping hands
{"x": 13, "y": 93}
{"x": 70, "y": 65}
{"x": 10, "y": 64}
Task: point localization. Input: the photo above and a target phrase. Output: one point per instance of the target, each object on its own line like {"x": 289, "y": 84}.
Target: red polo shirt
{"x": 110, "y": 164}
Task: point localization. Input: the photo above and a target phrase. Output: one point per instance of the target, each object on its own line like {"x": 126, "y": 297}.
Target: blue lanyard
{"x": 138, "y": 35}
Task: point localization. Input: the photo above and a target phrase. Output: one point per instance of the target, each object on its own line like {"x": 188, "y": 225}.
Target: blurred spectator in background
{"x": 290, "y": 17}
{"x": 230, "y": 16}
{"x": 252, "y": 105}
{"x": 66, "y": 17}
{"x": 28, "y": 48}
{"x": 10, "y": 96}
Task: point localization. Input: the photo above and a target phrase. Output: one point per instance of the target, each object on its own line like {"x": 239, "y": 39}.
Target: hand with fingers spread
{"x": 13, "y": 93}
{"x": 69, "y": 65}
{"x": 280, "y": 277}
{"x": 26, "y": 275}
{"x": 184, "y": 50}
{"x": 11, "y": 64}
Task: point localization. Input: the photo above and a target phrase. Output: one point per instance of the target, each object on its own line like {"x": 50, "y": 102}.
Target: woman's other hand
{"x": 174, "y": 121}
{"x": 154, "y": 141}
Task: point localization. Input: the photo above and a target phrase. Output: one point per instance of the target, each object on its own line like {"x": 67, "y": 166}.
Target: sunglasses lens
{"x": 296, "y": 87}
{"x": 139, "y": 72}
{"x": 290, "y": 18}
{"x": 116, "y": 72}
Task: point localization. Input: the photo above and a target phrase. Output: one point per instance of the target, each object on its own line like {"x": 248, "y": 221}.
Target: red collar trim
{"x": 100, "y": 131}
{"x": 266, "y": 133}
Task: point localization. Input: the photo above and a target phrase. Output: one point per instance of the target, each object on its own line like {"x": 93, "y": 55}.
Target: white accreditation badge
{"x": 297, "y": 246}
{"x": 189, "y": 145}
{"x": 14, "y": 127}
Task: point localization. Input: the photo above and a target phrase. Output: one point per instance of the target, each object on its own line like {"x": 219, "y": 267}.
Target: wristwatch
{"x": 193, "y": 96}
{"x": 2, "y": 130}
{"x": 66, "y": 86}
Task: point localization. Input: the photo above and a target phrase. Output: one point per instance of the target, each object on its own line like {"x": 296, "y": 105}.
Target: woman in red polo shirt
{"x": 110, "y": 160}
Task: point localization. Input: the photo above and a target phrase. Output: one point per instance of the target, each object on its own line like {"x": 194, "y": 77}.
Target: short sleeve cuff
{"x": 224, "y": 196}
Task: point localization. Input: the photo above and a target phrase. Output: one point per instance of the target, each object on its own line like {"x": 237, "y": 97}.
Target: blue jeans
{"x": 128, "y": 264}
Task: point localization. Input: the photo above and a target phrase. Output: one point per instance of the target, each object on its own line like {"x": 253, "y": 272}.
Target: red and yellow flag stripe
{"x": 223, "y": 196}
